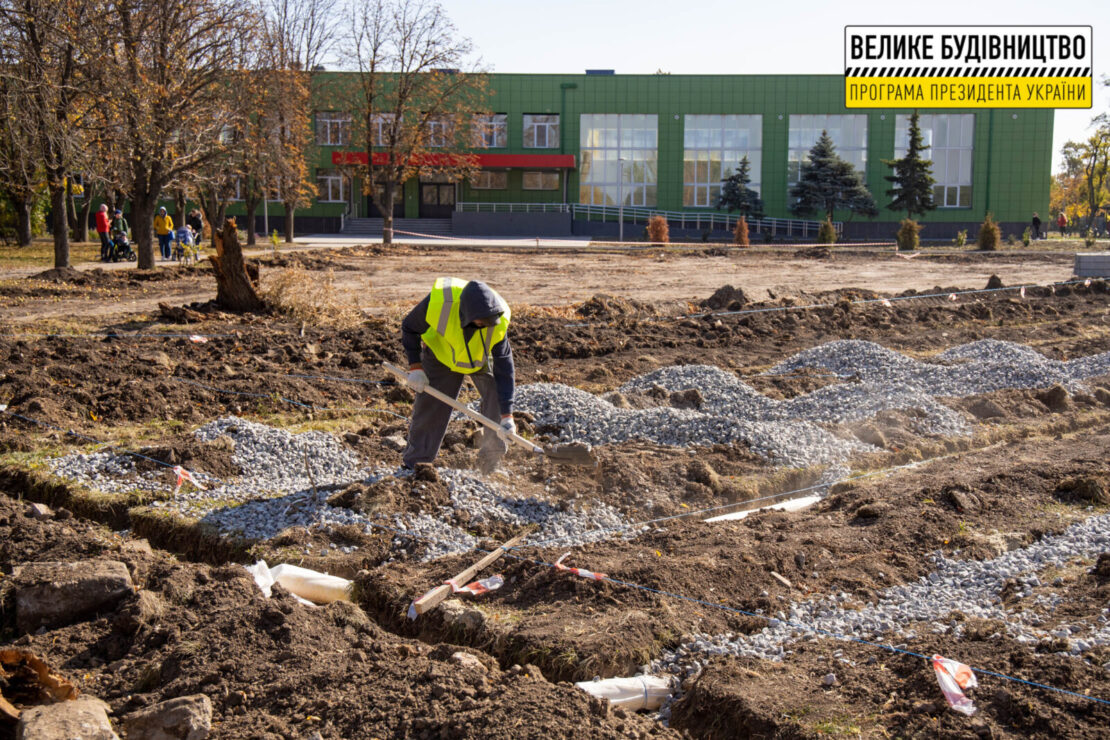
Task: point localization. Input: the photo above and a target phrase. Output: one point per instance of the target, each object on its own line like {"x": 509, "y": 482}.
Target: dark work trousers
{"x": 430, "y": 415}
{"x": 105, "y": 246}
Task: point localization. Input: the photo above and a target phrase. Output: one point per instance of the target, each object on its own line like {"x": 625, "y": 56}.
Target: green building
{"x": 563, "y": 152}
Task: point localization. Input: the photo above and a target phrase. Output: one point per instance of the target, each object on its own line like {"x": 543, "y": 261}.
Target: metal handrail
{"x": 709, "y": 220}
{"x": 473, "y": 207}
{"x": 712, "y": 220}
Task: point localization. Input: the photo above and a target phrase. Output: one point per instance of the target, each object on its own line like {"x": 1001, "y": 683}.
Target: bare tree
{"x": 296, "y": 38}
{"x": 163, "y": 73}
{"x": 413, "y": 103}
{"x": 45, "y": 37}
{"x": 20, "y": 175}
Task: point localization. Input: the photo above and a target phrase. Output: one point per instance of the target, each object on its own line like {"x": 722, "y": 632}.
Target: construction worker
{"x": 459, "y": 330}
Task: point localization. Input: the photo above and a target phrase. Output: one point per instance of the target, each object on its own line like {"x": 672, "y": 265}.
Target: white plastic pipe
{"x": 312, "y": 585}
{"x": 309, "y": 586}
{"x": 635, "y": 693}
{"x": 794, "y": 504}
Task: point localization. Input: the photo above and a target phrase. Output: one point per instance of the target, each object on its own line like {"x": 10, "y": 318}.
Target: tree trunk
{"x": 387, "y": 213}
{"x": 60, "y": 226}
{"x": 179, "y": 207}
{"x": 252, "y": 212}
{"x": 71, "y": 210}
{"x": 235, "y": 291}
{"x": 82, "y": 233}
{"x": 23, "y": 207}
{"x": 142, "y": 228}
{"x": 289, "y": 208}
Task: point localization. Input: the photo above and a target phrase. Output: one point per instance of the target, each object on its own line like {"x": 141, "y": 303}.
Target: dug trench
{"x": 866, "y": 536}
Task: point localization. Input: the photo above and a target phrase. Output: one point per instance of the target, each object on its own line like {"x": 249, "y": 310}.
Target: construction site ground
{"x": 1033, "y": 464}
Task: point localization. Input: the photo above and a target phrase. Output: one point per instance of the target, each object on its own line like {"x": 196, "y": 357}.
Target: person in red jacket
{"x": 102, "y": 228}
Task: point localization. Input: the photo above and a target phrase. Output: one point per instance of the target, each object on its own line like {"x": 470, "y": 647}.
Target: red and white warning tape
{"x": 184, "y": 475}
{"x": 578, "y": 571}
{"x": 953, "y": 678}
{"x": 477, "y": 588}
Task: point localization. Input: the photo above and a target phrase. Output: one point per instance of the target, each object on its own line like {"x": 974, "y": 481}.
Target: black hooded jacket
{"x": 476, "y": 301}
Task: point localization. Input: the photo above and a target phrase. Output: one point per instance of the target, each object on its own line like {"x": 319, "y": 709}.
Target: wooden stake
{"x": 432, "y": 599}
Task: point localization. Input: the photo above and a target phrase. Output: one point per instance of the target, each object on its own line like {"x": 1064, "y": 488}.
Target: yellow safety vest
{"x": 445, "y": 332}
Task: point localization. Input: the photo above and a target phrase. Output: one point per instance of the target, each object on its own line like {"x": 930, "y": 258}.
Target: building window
{"x": 491, "y": 132}
{"x": 439, "y": 129}
{"x": 330, "y": 186}
{"x": 541, "y": 181}
{"x": 490, "y": 180}
{"x": 333, "y": 128}
{"x": 620, "y": 159}
{"x": 950, "y": 137}
{"x": 541, "y": 130}
{"x": 381, "y": 123}
{"x": 848, "y": 133}
{"x": 714, "y": 146}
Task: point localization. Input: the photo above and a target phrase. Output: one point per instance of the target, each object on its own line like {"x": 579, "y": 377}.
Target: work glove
{"x": 508, "y": 427}
{"x": 417, "y": 380}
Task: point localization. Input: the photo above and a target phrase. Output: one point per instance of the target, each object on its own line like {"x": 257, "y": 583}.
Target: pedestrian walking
{"x": 1036, "y": 226}
{"x": 103, "y": 227}
{"x": 163, "y": 229}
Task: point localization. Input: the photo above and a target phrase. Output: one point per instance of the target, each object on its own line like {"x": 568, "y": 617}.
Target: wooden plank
{"x": 432, "y": 599}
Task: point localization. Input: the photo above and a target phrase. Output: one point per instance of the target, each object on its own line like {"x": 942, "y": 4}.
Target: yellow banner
{"x": 967, "y": 92}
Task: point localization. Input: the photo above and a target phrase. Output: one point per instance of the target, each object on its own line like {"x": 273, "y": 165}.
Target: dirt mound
{"x": 726, "y": 297}
{"x": 61, "y": 275}
{"x": 603, "y": 306}
{"x": 307, "y": 261}
{"x": 213, "y": 457}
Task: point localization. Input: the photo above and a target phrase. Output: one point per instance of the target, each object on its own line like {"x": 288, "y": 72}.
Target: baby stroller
{"x": 184, "y": 245}
{"x": 121, "y": 248}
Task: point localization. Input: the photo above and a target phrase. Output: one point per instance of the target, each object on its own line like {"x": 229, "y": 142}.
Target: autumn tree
{"x": 297, "y": 38}
{"x": 20, "y": 175}
{"x": 415, "y": 109}
{"x": 163, "y": 68}
{"x": 43, "y": 40}
{"x": 1094, "y": 155}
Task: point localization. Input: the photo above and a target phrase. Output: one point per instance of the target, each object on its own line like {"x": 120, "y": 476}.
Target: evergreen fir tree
{"x": 913, "y": 176}
{"x": 827, "y": 183}
{"x": 737, "y": 196}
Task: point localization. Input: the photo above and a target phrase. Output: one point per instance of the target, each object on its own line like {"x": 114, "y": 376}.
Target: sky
{"x": 735, "y": 37}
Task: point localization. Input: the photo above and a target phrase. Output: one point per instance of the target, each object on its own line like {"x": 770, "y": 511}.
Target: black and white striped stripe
{"x": 967, "y": 72}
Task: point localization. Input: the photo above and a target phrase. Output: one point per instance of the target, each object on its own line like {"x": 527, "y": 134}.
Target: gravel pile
{"x": 972, "y": 587}
{"x": 583, "y": 417}
{"x": 969, "y": 369}
{"x": 786, "y": 431}
{"x": 276, "y": 492}
{"x": 112, "y": 473}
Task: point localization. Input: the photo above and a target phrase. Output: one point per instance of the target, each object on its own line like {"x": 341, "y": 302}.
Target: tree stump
{"x": 235, "y": 288}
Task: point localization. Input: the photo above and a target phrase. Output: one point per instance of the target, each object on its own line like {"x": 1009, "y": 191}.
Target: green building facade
{"x": 663, "y": 142}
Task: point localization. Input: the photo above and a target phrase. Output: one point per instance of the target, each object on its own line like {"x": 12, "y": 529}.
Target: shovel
{"x": 577, "y": 453}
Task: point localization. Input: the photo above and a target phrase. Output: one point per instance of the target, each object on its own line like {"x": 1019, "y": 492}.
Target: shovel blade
{"x": 576, "y": 453}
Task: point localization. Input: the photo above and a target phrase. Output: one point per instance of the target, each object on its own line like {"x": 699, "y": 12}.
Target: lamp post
{"x": 620, "y": 201}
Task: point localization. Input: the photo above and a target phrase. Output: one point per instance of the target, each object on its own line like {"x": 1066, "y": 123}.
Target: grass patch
{"x": 41, "y": 254}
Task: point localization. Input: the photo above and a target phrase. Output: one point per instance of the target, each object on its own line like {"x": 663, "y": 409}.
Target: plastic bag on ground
{"x": 953, "y": 678}
{"x": 634, "y": 693}
{"x": 262, "y": 576}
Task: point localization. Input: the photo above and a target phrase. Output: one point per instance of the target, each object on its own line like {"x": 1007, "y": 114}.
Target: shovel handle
{"x": 467, "y": 411}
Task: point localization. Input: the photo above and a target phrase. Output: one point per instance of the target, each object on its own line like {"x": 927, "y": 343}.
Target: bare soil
{"x": 275, "y": 669}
